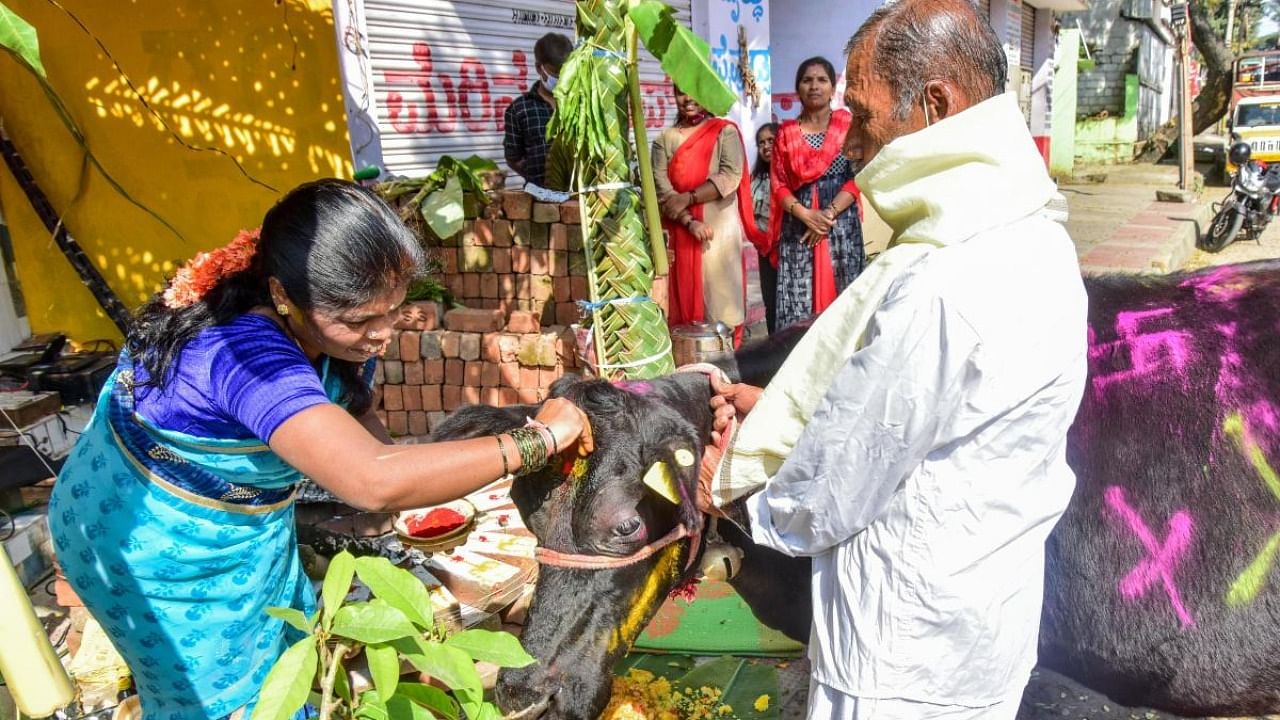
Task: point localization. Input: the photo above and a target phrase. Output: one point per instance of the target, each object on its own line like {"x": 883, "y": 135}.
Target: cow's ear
{"x": 562, "y": 384}
{"x": 479, "y": 420}
{"x": 690, "y": 394}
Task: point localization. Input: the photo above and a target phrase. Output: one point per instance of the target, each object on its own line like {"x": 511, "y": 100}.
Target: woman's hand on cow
{"x": 568, "y": 424}
{"x": 702, "y": 231}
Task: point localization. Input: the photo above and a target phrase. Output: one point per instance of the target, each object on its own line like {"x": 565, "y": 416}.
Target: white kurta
{"x": 931, "y": 473}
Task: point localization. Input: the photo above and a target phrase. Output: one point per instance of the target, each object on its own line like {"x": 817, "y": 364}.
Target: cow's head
{"x": 637, "y": 486}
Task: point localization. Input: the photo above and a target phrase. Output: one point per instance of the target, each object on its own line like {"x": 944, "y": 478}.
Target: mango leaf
{"x": 371, "y": 706}
{"x": 289, "y": 682}
{"x": 501, "y": 649}
{"x": 746, "y": 686}
{"x": 487, "y": 711}
{"x": 450, "y": 666}
{"x": 431, "y": 698}
{"x": 19, "y": 37}
{"x": 384, "y": 666}
{"x": 341, "y": 685}
{"x": 337, "y": 583}
{"x": 399, "y": 708}
{"x": 372, "y": 622}
{"x": 472, "y": 702}
{"x": 294, "y": 618}
{"x": 442, "y": 209}
{"x": 398, "y": 587}
{"x": 684, "y": 56}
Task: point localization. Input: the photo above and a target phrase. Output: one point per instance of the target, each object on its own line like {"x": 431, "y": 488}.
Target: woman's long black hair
{"x": 331, "y": 244}
{"x": 760, "y": 169}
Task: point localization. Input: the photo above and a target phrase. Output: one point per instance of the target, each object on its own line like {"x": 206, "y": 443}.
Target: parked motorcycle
{"x": 1253, "y": 202}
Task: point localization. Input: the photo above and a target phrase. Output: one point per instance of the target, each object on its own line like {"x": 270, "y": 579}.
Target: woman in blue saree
{"x": 173, "y": 517}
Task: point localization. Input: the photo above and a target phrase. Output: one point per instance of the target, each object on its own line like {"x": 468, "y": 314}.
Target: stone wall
{"x": 518, "y": 269}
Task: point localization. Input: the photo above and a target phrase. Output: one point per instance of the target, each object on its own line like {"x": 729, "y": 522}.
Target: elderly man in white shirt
{"x": 914, "y": 443}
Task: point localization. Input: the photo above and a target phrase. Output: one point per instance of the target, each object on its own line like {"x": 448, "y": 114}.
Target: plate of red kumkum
{"x": 440, "y": 528}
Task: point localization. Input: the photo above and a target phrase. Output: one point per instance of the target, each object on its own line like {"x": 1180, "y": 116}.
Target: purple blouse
{"x": 236, "y": 381}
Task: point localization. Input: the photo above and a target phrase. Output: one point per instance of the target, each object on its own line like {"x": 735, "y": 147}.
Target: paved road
{"x": 1268, "y": 246}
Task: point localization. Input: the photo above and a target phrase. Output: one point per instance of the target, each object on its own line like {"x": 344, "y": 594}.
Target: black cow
{"x": 1161, "y": 585}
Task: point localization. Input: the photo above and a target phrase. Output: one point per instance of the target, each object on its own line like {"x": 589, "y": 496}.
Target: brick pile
{"x": 511, "y": 274}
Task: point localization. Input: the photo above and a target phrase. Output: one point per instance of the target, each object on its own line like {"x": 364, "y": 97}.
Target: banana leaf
{"x": 684, "y": 56}
{"x": 746, "y": 686}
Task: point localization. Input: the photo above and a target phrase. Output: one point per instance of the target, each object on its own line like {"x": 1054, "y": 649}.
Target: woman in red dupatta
{"x": 700, "y": 173}
{"x": 815, "y": 216}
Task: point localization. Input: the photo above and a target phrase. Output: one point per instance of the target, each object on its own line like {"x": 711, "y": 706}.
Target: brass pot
{"x": 701, "y": 343}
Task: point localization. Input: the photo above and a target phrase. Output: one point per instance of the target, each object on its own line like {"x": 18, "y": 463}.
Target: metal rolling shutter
{"x": 445, "y": 71}
{"x": 1027, "y": 56}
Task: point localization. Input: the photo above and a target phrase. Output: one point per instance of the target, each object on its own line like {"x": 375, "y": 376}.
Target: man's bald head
{"x": 914, "y": 42}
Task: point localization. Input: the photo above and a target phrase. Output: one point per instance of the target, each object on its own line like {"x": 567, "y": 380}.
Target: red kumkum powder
{"x": 435, "y": 523}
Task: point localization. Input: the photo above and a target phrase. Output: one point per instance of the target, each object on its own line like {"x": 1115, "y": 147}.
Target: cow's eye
{"x": 628, "y": 528}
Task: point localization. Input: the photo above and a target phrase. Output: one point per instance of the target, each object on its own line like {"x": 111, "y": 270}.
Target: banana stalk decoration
{"x": 597, "y": 97}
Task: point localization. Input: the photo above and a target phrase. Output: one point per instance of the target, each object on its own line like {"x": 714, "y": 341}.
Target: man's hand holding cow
{"x": 729, "y": 402}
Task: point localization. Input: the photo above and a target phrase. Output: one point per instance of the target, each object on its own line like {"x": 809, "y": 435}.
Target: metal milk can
{"x": 701, "y": 342}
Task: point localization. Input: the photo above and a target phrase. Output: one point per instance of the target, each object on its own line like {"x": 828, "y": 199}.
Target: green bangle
{"x": 502, "y": 448}
{"x": 532, "y": 449}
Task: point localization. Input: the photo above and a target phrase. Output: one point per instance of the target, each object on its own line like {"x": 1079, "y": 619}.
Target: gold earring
{"x": 282, "y": 309}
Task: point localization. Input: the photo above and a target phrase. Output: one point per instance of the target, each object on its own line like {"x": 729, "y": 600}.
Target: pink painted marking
{"x": 1162, "y": 559}
{"x": 1150, "y": 353}
{"x": 1220, "y": 285}
{"x": 639, "y": 387}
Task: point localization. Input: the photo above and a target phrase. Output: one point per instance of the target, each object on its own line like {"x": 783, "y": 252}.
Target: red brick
{"x": 469, "y": 346}
{"x": 524, "y": 287}
{"x": 510, "y": 396}
{"x": 540, "y": 262}
{"x": 417, "y": 423}
{"x": 571, "y": 213}
{"x": 382, "y": 418}
{"x": 392, "y": 397}
{"x": 566, "y": 313}
{"x": 473, "y": 321}
{"x": 546, "y": 213}
{"x": 470, "y": 285}
{"x": 520, "y": 259}
{"x": 530, "y": 396}
{"x": 559, "y": 263}
{"x": 454, "y": 283}
{"x": 517, "y": 205}
{"x": 448, "y": 260}
{"x": 416, "y": 316}
{"x": 451, "y": 397}
{"x": 561, "y": 289}
{"x": 410, "y": 345}
{"x": 523, "y": 322}
{"x": 491, "y": 347}
{"x": 579, "y": 290}
{"x": 398, "y": 423}
{"x": 507, "y": 287}
{"x": 491, "y": 396}
{"x": 431, "y": 398}
{"x": 453, "y": 372}
{"x": 470, "y": 395}
{"x": 489, "y": 375}
{"x": 413, "y": 398}
{"x": 542, "y": 287}
{"x": 509, "y": 374}
{"x": 489, "y": 286}
{"x": 501, "y": 233}
{"x": 433, "y": 372}
{"x": 478, "y": 233}
{"x": 501, "y": 260}
{"x": 509, "y": 345}
{"x": 559, "y": 237}
{"x": 449, "y": 340}
{"x": 528, "y": 377}
{"x": 471, "y": 374}
{"x": 414, "y": 373}
{"x": 546, "y": 376}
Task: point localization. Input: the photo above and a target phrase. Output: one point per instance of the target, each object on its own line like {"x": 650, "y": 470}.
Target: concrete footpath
{"x": 1119, "y": 226}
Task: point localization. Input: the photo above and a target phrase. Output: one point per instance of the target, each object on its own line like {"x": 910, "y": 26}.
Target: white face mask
{"x": 548, "y": 80}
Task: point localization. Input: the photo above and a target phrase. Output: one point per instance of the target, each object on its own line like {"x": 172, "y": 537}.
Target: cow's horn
{"x": 660, "y": 480}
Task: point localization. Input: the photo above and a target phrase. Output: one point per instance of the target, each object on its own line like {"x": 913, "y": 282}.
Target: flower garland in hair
{"x": 204, "y": 271}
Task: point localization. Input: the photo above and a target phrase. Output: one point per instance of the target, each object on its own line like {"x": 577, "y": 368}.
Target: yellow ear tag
{"x": 684, "y": 457}
{"x": 660, "y": 480}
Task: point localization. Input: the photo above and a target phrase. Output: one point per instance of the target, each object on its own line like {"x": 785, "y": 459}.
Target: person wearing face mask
{"x": 815, "y": 217}
{"x": 525, "y": 143}
{"x": 699, "y": 169}
{"x": 914, "y": 442}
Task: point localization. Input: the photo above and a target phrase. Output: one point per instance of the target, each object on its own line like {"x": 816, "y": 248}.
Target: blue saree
{"x": 178, "y": 545}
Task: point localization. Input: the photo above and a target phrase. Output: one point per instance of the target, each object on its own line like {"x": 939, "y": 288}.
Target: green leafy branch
{"x": 440, "y": 198}
{"x": 396, "y": 626}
